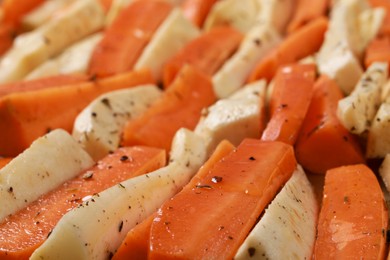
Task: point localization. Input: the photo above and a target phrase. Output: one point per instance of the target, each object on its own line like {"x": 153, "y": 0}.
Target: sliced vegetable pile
{"x": 194, "y": 129}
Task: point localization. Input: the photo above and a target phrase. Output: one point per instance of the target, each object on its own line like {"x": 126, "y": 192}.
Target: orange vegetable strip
{"x": 42, "y": 83}
{"x": 293, "y": 90}
{"x": 136, "y": 243}
{"x": 23, "y": 232}
{"x": 323, "y": 142}
{"x": 385, "y": 29}
{"x": 14, "y": 10}
{"x": 307, "y": 11}
{"x": 207, "y": 52}
{"x": 353, "y": 219}
{"x": 300, "y": 44}
{"x": 197, "y": 10}
{"x": 7, "y": 35}
{"x": 180, "y": 106}
{"x": 4, "y": 161}
{"x": 125, "y": 39}
{"x": 378, "y": 50}
{"x": 28, "y": 115}
{"x": 106, "y": 4}
{"x": 211, "y": 219}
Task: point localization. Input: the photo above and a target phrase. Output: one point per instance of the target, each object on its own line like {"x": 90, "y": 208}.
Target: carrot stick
{"x": 207, "y": 52}
{"x": 290, "y": 100}
{"x": 219, "y": 211}
{"x": 15, "y": 10}
{"x": 4, "y": 161}
{"x": 23, "y": 232}
{"x": 28, "y": 115}
{"x": 136, "y": 243}
{"x": 197, "y": 10}
{"x": 180, "y": 106}
{"x": 353, "y": 218}
{"x": 305, "y": 12}
{"x": 305, "y": 41}
{"x": 385, "y": 28}
{"x": 378, "y": 50}
{"x": 42, "y": 83}
{"x": 7, "y": 35}
{"x": 127, "y": 36}
{"x": 323, "y": 142}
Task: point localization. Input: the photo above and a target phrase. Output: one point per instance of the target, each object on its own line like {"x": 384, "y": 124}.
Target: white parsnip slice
{"x": 47, "y": 163}
{"x": 234, "y": 118}
{"x": 96, "y": 228}
{"x": 378, "y": 141}
{"x": 30, "y": 50}
{"x": 256, "y": 44}
{"x": 357, "y": 110}
{"x": 277, "y": 13}
{"x": 288, "y": 227}
{"x": 99, "y": 126}
{"x": 169, "y": 38}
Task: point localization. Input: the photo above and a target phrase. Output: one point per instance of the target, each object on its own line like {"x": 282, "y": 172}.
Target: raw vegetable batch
{"x": 194, "y": 129}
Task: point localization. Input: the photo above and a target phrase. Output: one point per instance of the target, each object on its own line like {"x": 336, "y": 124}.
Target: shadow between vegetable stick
{"x": 298, "y": 45}
{"x": 220, "y": 210}
{"x": 323, "y": 142}
{"x": 353, "y": 219}
{"x": 197, "y": 10}
{"x": 136, "y": 243}
{"x": 23, "y": 232}
{"x": 28, "y": 115}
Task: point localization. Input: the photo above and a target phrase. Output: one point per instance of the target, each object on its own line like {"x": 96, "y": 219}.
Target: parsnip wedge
{"x": 234, "y": 118}
{"x": 256, "y": 44}
{"x": 48, "y": 162}
{"x": 378, "y": 141}
{"x": 96, "y": 228}
{"x": 170, "y": 37}
{"x": 287, "y": 229}
{"x": 30, "y": 50}
{"x": 384, "y": 171}
{"x": 357, "y": 110}
{"x": 276, "y": 14}
{"x": 99, "y": 126}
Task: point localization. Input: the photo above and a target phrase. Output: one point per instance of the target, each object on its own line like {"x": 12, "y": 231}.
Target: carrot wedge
{"x": 305, "y": 12}
{"x": 224, "y": 203}
{"x": 23, "y": 232}
{"x": 207, "y": 53}
{"x": 42, "y": 83}
{"x": 323, "y": 142}
{"x": 4, "y": 161}
{"x": 305, "y": 41}
{"x": 136, "y": 243}
{"x": 290, "y": 100}
{"x": 15, "y": 10}
{"x": 353, "y": 219}
{"x": 180, "y": 106}
{"x": 125, "y": 39}
{"x": 28, "y": 115}
{"x": 197, "y": 10}
{"x": 7, "y": 35}
{"x": 378, "y": 50}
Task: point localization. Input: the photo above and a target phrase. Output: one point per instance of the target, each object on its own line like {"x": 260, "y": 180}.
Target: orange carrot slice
{"x": 136, "y": 243}
{"x": 207, "y": 52}
{"x": 323, "y": 142}
{"x": 27, "y": 115}
{"x": 7, "y": 35}
{"x": 125, "y": 39}
{"x": 197, "y": 10}
{"x": 4, "y": 161}
{"x": 378, "y": 50}
{"x": 307, "y": 11}
{"x": 15, "y": 10}
{"x": 224, "y": 204}
{"x": 23, "y": 232}
{"x": 353, "y": 218}
{"x": 385, "y": 28}
{"x": 305, "y": 41}
{"x": 180, "y": 106}
{"x": 42, "y": 83}
{"x": 293, "y": 90}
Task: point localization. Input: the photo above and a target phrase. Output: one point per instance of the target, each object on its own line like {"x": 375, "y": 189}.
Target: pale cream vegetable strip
{"x": 30, "y": 50}
{"x": 276, "y": 13}
{"x": 169, "y": 38}
{"x": 256, "y": 44}
{"x": 47, "y": 163}
{"x": 287, "y": 229}
{"x": 357, "y": 111}
{"x": 96, "y": 229}
{"x": 101, "y": 133}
